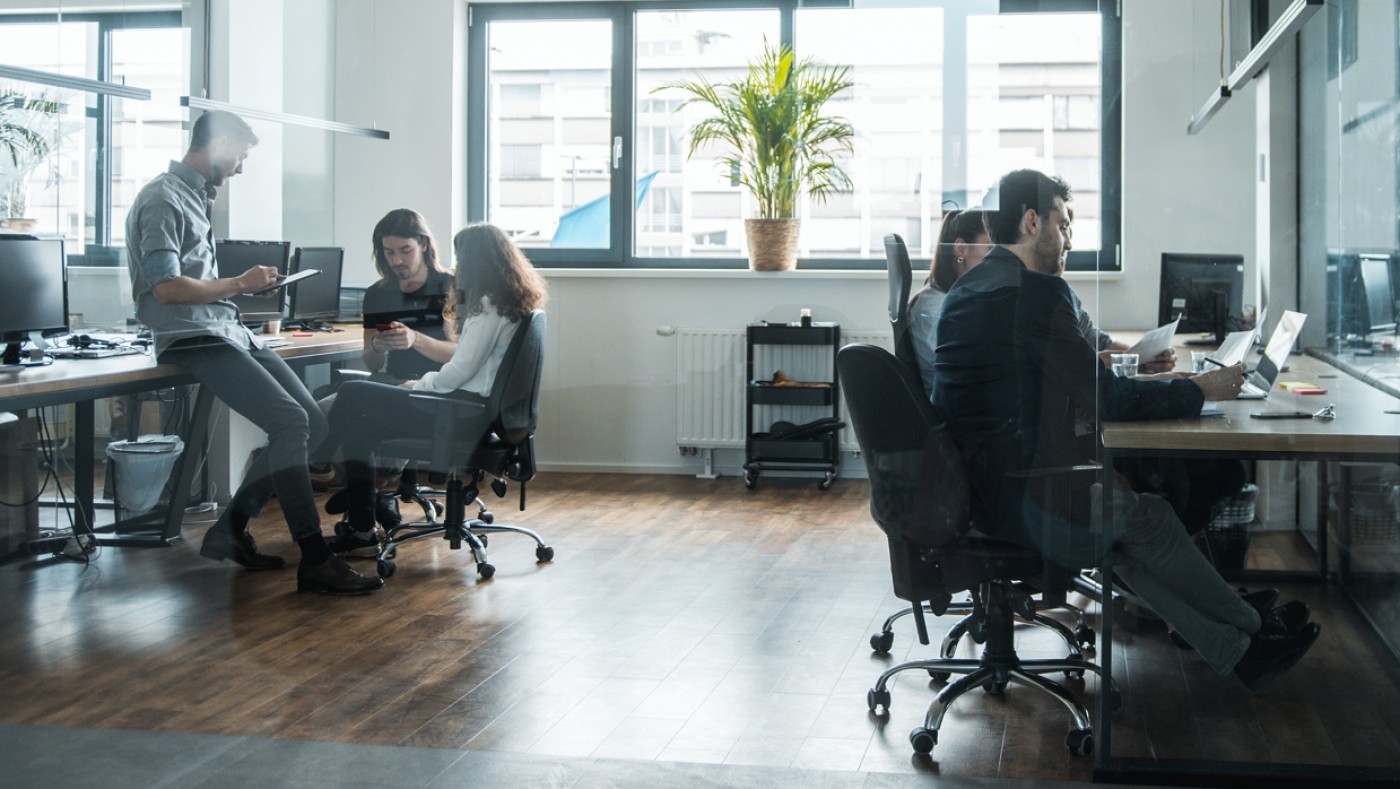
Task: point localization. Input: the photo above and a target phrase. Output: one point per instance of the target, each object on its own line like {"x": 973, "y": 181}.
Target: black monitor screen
{"x": 33, "y": 287}
{"x": 318, "y": 297}
{"x": 236, "y": 257}
{"x": 1380, "y": 301}
{"x": 1205, "y": 291}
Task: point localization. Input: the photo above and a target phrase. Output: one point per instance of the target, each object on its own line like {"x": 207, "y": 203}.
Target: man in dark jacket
{"x": 1014, "y": 372}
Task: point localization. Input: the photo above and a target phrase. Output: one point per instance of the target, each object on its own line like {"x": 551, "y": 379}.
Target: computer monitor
{"x": 236, "y": 257}
{"x": 1380, "y": 299}
{"x": 1205, "y": 291}
{"x": 33, "y": 291}
{"x": 317, "y": 299}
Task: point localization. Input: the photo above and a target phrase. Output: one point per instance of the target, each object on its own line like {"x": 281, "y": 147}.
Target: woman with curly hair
{"x": 495, "y": 286}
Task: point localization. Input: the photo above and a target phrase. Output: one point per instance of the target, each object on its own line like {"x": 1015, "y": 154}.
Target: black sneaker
{"x": 386, "y": 511}
{"x": 1270, "y": 655}
{"x": 348, "y": 542}
{"x": 334, "y": 576}
{"x": 1262, "y": 600}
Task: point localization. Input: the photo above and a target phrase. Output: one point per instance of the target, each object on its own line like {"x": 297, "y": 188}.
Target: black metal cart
{"x": 817, "y": 450}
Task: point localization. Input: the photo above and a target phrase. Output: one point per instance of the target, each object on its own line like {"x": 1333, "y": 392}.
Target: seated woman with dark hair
{"x": 962, "y": 243}
{"x": 495, "y": 287}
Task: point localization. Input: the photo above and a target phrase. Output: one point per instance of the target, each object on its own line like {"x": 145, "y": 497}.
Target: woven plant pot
{"x": 772, "y": 243}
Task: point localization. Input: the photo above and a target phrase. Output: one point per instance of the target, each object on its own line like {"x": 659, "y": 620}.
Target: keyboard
{"x": 91, "y": 353}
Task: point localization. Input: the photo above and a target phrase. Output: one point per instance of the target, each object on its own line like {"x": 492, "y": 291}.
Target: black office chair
{"x": 919, "y": 497}
{"x": 472, "y": 442}
{"x": 900, "y": 279}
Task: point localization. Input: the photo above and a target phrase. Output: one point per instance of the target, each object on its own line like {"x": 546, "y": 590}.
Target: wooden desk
{"x": 1361, "y": 431}
{"x": 84, "y": 381}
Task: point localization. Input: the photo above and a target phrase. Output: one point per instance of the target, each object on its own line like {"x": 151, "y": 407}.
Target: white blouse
{"x": 480, "y": 348}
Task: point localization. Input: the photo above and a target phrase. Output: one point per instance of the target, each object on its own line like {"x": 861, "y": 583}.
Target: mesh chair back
{"x": 918, "y": 489}
{"x": 901, "y": 277}
{"x": 515, "y": 396}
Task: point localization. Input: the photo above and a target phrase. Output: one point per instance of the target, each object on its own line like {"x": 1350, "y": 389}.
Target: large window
{"x": 579, "y": 152}
{"x": 99, "y": 150}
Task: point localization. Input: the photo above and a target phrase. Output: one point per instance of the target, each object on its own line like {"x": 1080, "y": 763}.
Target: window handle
{"x": 617, "y": 153}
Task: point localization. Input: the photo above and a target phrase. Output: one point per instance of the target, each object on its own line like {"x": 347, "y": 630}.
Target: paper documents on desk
{"x": 1155, "y": 342}
{"x": 1236, "y": 345}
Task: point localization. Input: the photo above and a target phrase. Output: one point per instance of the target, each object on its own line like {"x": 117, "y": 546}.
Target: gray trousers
{"x": 1154, "y": 555}
{"x": 258, "y": 385}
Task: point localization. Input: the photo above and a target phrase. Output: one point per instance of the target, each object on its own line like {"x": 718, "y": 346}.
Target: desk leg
{"x": 1103, "y": 731}
{"x": 84, "y": 445}
{"x": 196, "y": 441}
{"x": 1322, "y": 511}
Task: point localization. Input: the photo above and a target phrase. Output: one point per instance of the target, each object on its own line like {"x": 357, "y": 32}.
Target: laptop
{"x": 1260, "y": 382}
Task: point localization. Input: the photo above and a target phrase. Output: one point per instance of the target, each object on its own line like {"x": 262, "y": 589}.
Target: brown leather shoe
{"x": 221, "y": 542}
{"x": 334, "y": 576}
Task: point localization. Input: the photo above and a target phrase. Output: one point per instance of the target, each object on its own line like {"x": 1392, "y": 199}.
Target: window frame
{"x": 108, "y": 22}
{"x": 624, "y": 224}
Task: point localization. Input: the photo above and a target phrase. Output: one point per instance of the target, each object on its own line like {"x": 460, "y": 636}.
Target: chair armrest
{"x": 451, "y": 402}
{"x": 342, "y": 374}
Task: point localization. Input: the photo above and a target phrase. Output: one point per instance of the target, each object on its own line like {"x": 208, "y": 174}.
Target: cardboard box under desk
{"x": 19, "y": 481}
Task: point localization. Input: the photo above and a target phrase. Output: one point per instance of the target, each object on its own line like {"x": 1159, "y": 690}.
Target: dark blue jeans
{"x": 367, "y": 413}
{"x": 258, "y": 385}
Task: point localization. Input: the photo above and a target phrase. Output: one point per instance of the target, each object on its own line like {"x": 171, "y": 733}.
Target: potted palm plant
{"x": 779, "y": 143}
{"x": 25, "y": 123}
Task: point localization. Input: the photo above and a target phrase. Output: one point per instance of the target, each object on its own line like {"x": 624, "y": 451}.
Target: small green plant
{"x": 781, "y": 144}
{"x": 27, "y": 126}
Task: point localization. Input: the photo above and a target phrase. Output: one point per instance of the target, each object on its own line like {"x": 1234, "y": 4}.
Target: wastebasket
{"x": 1228, "y": 532}
{"x": 141, "y": 468}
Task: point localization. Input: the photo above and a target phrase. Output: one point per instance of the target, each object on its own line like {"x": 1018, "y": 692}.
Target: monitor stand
{"x": 312, "y": 325}
{"x": 13, "y": 358}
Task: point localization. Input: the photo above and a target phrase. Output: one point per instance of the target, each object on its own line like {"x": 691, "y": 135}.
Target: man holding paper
{"x": 180, "y": 296}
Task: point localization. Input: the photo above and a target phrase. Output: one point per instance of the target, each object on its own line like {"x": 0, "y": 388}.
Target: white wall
{"x": 397, "y": 69}
{"x": 1181, "y": 193}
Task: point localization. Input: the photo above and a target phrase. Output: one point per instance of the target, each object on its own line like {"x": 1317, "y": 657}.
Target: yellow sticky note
{"x": 1291, "y": 385}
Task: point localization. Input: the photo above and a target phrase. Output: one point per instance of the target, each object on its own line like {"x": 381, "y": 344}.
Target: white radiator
{"x": 710, "y": 384}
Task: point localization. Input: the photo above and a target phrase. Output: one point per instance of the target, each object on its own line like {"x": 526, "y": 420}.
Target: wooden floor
{"x": 682, "y": 621}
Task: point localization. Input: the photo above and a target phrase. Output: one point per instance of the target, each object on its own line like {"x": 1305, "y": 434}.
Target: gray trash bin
{"x": 142, "y": 468}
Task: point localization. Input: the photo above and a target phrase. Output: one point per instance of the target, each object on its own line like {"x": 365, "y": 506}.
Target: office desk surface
{"x": 69, "y": 380}
{"x": 1361, "y": 428}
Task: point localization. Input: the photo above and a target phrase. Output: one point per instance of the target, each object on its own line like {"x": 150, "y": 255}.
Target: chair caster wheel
{"x": 1085, "y": 635}
{"x": 1115, "y": 700}
{"x": 544, "y": 553}
{"x": 486, "y": 571}
{"x": 1080, "y": 741}
{"x": 750, "y": 480}
{"x": 485, "y": 540}
{"x": 875, "y": 699}
{"x": 923, "y": 739}
{"x": 385, "y": 568}
{"x": 485, "y": 516}
{"x": 939, "y": 676}
{"x": 881, "y": 642}
{"x": 1074, "y": 673}
{"x": 826, "y": 481}
{"x": 995, "y": 688}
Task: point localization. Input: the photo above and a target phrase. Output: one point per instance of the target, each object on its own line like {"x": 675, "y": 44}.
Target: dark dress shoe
{"x": 1269, "y": 655}
{"x": 221, "y": 542}
{"x": 1284, "y": 619}
{"x": 1261, "y": 600}
{"x": 334, "y": 576}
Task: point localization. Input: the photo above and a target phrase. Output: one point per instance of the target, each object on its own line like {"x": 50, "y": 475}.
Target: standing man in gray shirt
{"x": 180, "y": 296}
